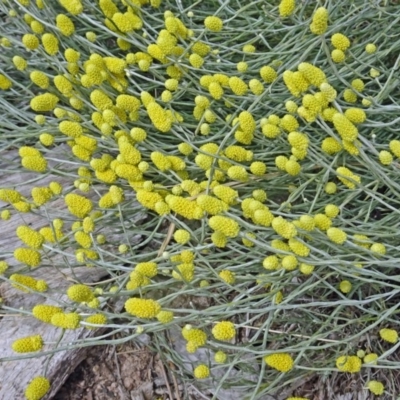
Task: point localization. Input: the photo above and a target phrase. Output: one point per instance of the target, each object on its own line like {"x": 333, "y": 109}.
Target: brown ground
{"x": 130, "y": 373}
{"x": 137, "y": 374}
{"x": 125, "y": 374}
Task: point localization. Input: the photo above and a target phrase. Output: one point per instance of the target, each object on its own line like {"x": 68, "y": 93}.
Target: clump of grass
{"x": 262, "y": 149}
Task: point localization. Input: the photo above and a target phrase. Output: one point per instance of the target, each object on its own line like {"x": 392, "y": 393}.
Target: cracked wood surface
{"x": 15, "y": 375}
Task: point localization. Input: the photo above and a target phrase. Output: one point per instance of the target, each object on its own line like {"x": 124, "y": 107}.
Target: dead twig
{"x": 166, "y": 379}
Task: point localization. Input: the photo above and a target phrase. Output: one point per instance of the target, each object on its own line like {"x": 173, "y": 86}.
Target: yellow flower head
{"x": 66, "y": 320}
{"x": 30, "y": 237}
{"x": 284, "y": 228}
{"x": 220, "y": 357}
{"x": 319, "y": 22}
{"x": 184, "y": 207}
{"x": 345, "y": 286}
{"x": 385, "y": 157}
{"x": 159, "y": 117}
{"x": 238, "y": 86}
{"x": 96, "y": 319}
{"x": 370, "y": 48}
{"x": 114, "y": 64}
{"x": 28, "y": 344}
{"x": 5, "y": 83}
{"x": 371, "y": 358}
{"x": 182, "y": 236}
{"x": 224, "y": 330}
{"x": 78, "y": 205}
{"x": 299, "y": 248}
{"x": 80, "y": 293}
{"x": 30, "y": 41}
{"x": 340, "y": 41}
{"x": 196, "y": 61}
{"x": 256, "y": 86}
{"x": 34, "y": 163}
{"x": 165, "y": 317}
{"x": 350, "y": 364}
{"x": 50, "y": 43}
{"x": 44, "y": 102}
{"x": 148, "y": 199}
{"x": 127, "y": 22}
{"x": 201, "y": 372}
{"x": 355, "y": 115}
{"x": 195, "y": 336}
{"x": 20, "y": 63}
{"x": 376, "y": 387}
{"x": 63, "y": 85}
{"x": 184, "y": 271}
{"x": 142, "y": 308}
{"x": 46, "y": 139}
{"x": 37, "y": 388}
{"x": 286, "y": 7}
{"x": 336, "y": 235}
{"x": 137, "y": 280}
{"x": 65, "y": 25}
{"x": 74, "y": 7}
{"x": 346, "y": 173}
{"x": 148, "y": 269}
{"x": 225, "y": 225}
{"x": 211, "y": 204}
{"x": 289, "y": 123}
{"x": 282, "y": 362}
{"x": 24, "y": 283}
{"x": 227, "y": 276}
{"x": 312, "y": 74}
{"x": 29, "y": 257}
{"x": 389, "y": 335}
{"x": 45, "y": 312}
{"x": 213, "y": 23}
{"x": 238, "y": 173}
{"x": 10, "y": 196}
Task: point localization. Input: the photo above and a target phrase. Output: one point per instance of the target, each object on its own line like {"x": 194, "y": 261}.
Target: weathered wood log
{"x": 15, "y": 375}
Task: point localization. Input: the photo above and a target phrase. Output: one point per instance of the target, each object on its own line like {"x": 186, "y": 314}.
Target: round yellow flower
{"x": 66, "y": 320}
{"x": 371, "y": 358}
{"x": 345, "y": 286}
{"x": 389, "y": 335}
{"x": 201, "y": 372}
{"x": 224, "y": 330}
{"x": 340, "y": 41}
{"x": 225, "y": 225}
{"x": 148, "y": 269}
{"x": 30, "y": 41}
{"x": 227, "y": 276}
{"x": 142, "y": 308}
{"x": 37, "y": 388}
{"x": 80, "y": 293}
{"x": 165, "y": 316}
{"x": 370, "y": 48}
{"x": 282, "y": 362}
{"x": 286, "y": 7}
{"x": 220, "y": 357}
{"x": 44, "y": 312}
{"x": 338, "y": 56}
{"x": 336, "y": 235}
{"x": 213, "y": 23}
{"x": 96, "y": 319}
{"x": 376, "y": 387}
{"x": 350, "y": 364}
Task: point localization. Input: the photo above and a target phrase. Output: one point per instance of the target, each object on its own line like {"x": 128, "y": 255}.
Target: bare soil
{"x": 126, "y": 373}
